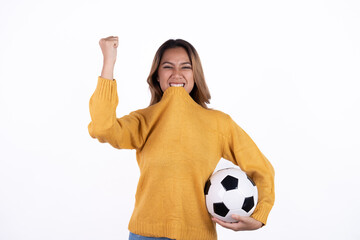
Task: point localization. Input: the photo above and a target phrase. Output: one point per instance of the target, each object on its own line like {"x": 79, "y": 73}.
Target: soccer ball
{"x": 230, "y": 191}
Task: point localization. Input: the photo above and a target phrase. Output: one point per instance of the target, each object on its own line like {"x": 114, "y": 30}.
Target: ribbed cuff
{"x": 261, "y": 213}
{"x": 106, "y": 89}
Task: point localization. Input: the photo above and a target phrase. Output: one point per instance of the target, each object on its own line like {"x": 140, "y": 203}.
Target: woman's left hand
{"x": 243, "y": 223}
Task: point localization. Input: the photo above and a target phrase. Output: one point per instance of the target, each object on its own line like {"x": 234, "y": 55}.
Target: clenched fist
{"x": 109, "y": 48}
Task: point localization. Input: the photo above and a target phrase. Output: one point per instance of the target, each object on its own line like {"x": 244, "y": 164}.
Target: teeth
{"x": 177, "y": 85}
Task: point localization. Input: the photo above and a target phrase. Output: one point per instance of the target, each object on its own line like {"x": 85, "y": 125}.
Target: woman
{"x": 178, "y": 142}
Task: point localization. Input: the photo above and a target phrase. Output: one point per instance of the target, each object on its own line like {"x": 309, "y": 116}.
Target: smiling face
{"x": 175, "y": 70}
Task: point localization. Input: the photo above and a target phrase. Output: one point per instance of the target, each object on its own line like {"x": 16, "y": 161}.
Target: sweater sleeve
{"x": 125, "y": 132}
{"x": 240, "y": 149}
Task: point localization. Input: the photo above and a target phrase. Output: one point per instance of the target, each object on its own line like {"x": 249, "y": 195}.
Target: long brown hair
{"x": 200, "y": 93}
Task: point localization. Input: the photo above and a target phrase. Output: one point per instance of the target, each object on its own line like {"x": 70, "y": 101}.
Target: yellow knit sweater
{"x": 178, "y": 145}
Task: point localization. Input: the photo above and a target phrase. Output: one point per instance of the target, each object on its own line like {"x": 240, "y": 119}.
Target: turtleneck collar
{"x": 179, "y": 92}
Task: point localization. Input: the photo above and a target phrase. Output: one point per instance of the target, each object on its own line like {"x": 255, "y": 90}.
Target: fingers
{"x": 108, "y": 47}
{"x": 111, "y": 38}
{"x": 236, "y": 226}
{"x": 226, "y": 224}
{"x": 107, "y": 44}
{"x": 243, "y": 223}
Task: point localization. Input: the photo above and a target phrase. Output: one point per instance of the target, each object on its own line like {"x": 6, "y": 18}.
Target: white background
{"x": 286, "y": 71}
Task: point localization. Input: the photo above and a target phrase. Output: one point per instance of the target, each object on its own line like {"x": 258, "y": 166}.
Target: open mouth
{"x": 177, "y": 84}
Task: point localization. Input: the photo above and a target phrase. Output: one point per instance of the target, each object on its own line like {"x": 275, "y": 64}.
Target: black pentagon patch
{"x": 207, "y": 186}
{"x": 248, "y": 204}
{"x": 220, "y": 209}
{"x": 251, "y": 181}
{"x": 230, "y": 183}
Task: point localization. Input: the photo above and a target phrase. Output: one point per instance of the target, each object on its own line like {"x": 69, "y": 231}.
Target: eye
{"x": 186, "y": 67}
{"x": 167, "y": 66}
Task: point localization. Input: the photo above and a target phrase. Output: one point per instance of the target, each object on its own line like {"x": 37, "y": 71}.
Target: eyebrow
{"x": 183, "y": 63}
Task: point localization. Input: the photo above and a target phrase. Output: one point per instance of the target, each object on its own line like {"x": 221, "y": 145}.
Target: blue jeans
{"x": 134, "y": 236}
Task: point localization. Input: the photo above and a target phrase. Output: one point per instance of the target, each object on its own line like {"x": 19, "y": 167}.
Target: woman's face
{"x": 175, "y": 70}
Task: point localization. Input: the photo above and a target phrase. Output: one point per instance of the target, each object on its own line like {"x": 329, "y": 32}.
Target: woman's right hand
{"x": 109, "y": 48}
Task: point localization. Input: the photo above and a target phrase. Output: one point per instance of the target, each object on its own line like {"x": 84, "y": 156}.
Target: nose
{"x": 176, "y": 73}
